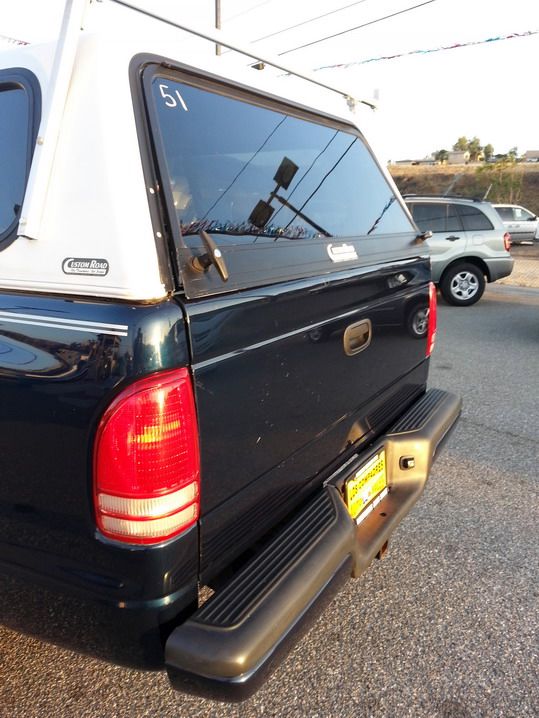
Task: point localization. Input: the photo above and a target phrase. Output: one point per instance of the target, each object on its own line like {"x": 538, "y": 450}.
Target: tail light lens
{"x": 433, "y": 318}
{"x": 507, "y": 241}
{"x": 146, "y": 461}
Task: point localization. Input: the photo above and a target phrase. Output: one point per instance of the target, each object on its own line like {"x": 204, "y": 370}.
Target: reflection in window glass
{"x": 13, "y": 150}
{"x": 260, "y": 175}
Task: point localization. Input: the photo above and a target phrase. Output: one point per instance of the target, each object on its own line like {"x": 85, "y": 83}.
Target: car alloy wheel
{"x": 463, "y": 284}
{"x": 419, "y": 322}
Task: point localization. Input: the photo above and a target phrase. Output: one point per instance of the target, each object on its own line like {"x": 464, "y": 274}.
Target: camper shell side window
{"x": 20, "y": 110}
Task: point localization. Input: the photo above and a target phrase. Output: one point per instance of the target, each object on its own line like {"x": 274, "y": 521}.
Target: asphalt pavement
{"x": 445, "y": 627}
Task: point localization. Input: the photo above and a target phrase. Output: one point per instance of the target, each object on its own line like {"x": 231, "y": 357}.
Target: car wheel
{"x": 462, "y": 285}
{"x": 418, "y": 322}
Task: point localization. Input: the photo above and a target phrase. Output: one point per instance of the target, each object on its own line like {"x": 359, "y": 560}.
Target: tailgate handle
{"x": 357, "y": 337}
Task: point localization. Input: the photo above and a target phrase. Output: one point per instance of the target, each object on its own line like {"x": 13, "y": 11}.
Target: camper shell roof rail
{"x": 221, "y": 38}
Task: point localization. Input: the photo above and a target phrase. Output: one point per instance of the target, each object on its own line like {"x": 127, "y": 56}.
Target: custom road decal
{"x": 76, "y": 325}
{"x": 85, "y": 265}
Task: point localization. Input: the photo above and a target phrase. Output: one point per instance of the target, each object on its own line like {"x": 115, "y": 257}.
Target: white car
{"x": 520, "y": 222}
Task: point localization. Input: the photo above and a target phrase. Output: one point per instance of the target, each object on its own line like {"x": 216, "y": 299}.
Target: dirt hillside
{"x": 515, "y": 184}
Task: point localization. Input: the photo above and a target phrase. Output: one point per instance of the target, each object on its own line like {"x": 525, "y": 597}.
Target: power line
{"x": 13, "y": 40}
{"x": 242, "y": 170}
{"x": 324, "y": 178}
{"x": 307, "y": 172}
{"x": 245, "y": 12}
{"x": 306, "y": 22}
{"x": 366, "y": 24}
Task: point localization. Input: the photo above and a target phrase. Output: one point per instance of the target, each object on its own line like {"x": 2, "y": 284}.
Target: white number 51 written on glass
{"x": 172, "y": 101}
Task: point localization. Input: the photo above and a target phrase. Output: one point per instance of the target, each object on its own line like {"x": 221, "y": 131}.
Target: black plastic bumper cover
{"x": 228, "y": 647}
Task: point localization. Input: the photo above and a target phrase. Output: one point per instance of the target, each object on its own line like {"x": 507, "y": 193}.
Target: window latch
{"x": 212, "y": 255}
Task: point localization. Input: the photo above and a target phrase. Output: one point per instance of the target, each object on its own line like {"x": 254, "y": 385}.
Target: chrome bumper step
{"x": 228, "y": 647}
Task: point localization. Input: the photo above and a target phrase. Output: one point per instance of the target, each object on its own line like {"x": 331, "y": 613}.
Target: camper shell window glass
{"x": 19, "y": 116}
{"x": 256, "y": 175}
{"x": 252, "y": 173}
{"x": 13, "y": 124}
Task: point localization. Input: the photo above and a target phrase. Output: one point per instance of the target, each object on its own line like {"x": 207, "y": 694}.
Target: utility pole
{"x": 218, "y": 23}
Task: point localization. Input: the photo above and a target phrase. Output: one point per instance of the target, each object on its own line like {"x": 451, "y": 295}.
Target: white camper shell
{"x": 87, "y": 225}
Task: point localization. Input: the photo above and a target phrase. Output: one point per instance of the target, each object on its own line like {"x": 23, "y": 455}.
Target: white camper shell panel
{"x": 96, "y": 204}
{"x": 97, "y": 198}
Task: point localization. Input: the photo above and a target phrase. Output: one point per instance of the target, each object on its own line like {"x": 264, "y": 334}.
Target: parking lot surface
{"x": 526, "y": 268}
{"x": 445, "y": 627}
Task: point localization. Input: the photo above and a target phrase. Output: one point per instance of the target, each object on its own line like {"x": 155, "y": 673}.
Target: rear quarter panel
{"x": 61, "y": 363}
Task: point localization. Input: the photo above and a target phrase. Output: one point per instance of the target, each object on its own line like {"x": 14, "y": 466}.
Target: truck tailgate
{"x": 281, "y": 398}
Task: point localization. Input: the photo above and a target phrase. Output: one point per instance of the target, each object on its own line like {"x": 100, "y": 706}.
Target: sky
{"x": 424, "y": 101}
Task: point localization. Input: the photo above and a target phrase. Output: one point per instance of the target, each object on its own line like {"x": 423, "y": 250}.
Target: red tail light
{"x": 507, "y": 241}
{"x": 431, "y": 335}
{"x": 146, "y": 461}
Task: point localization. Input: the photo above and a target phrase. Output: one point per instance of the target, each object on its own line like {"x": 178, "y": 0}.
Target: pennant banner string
{"x": 457, "y": 45}
{"x": 13, "y": 40}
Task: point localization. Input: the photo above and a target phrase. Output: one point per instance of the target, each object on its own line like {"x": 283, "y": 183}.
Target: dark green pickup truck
{"x": 216, "y": 318}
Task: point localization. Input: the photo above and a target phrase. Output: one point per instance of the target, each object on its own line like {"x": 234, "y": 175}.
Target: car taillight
{"x": 507, "y": 241}
{"x": 146, "y": 461}
{"x": 431, "y": 334}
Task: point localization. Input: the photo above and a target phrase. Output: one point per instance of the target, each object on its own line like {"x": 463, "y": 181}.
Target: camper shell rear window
{"x": 19, "y": 119}
{"x": 257, "y": 175}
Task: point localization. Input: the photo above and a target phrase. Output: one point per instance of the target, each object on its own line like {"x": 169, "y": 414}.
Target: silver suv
{"x": 469, "y": 244}
{"x": 523, "y": 224}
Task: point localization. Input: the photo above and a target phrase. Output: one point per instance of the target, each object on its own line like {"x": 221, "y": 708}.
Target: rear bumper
{"x": 499, "y": 268}
{"x": 229, "y": 646}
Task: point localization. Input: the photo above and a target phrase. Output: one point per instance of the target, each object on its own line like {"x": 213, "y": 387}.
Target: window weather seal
{"x": 22, "y": 79}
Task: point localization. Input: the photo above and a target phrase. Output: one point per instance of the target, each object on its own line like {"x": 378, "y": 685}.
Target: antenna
{"x": 453, "y": 183}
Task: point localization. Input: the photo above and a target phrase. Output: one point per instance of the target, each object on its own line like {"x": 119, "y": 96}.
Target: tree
{"x": 488, "y": 151}
{"x": 474, "y": 148}
{"x": 441, "y": 155}
{"x": 461, "y": 145}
